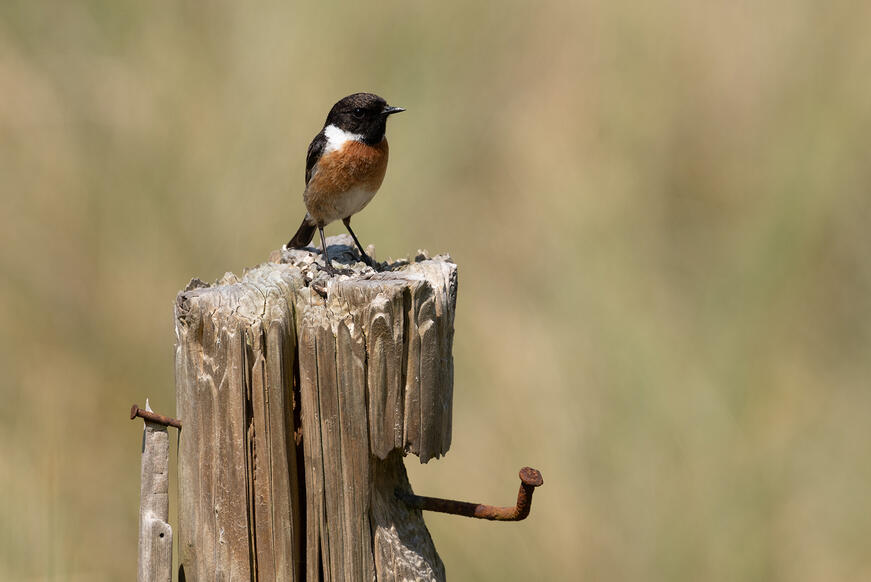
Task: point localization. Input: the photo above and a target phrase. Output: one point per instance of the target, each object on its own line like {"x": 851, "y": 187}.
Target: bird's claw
{"x": 332, "y": 271}
{"x": 370, "y": 261}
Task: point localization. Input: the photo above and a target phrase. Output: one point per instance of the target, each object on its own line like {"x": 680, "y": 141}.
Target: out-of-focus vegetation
{"x": 660, "y": 213}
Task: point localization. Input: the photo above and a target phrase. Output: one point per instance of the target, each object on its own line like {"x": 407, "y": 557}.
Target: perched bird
{"x": 344, "y": 168}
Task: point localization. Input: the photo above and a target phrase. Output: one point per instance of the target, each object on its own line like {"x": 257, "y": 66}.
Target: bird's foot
{"x": 332, "y": 271}
{"x": 370, "y": 261}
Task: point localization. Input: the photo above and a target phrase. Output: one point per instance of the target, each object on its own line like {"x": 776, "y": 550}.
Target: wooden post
{"x": 155, "y": 534}
{"x": 299, "y": 396}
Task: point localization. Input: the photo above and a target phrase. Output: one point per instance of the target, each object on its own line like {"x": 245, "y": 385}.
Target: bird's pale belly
{"x": 351, "y": 202}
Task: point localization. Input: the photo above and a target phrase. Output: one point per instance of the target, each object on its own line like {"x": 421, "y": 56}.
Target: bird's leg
{"x": 366, "y": 258}
{"x": 329, "y": 266}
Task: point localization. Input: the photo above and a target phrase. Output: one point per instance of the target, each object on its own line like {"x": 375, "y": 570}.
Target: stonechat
{"x": 344, "y": 168}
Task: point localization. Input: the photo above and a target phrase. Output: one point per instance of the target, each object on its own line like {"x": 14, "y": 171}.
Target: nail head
{"x": 531, "y": 477}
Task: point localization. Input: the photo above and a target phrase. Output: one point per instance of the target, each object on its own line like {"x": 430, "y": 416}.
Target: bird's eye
{"x": 358, "y": 112}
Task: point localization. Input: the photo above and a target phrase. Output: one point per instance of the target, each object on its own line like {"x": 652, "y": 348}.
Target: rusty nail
{"x": 154, "y": 417}
{"x": 529, "y": 480}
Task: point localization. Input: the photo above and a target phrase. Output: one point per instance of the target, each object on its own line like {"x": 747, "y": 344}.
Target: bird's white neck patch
{"x": 336, "y": 138}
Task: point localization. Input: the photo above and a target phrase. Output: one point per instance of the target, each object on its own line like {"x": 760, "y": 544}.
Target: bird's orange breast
{"x": 345, "y": 180}
{"x": 355, "y": 165}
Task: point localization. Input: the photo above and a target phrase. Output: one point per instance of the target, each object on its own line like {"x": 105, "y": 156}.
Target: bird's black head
{"x": 362, "y": 114}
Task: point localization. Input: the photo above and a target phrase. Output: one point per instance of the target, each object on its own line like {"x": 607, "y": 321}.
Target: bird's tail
{"x": 304, "y": 235}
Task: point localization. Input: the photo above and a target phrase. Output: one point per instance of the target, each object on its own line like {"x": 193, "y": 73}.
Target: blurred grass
{"x": 660, "y": 215}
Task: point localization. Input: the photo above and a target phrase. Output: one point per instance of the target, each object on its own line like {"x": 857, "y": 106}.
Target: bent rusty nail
{"x": 529, "y": 480}
{"x": 154, "y": 417}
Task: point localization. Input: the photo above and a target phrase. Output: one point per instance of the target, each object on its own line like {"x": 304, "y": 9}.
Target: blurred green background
{"x": 660, "y": 213}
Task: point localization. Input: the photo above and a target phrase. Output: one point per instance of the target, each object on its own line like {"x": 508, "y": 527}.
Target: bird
{"x": 344, "y": 167}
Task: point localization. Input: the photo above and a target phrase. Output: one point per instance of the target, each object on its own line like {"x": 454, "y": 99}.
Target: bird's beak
{"x": 391, "y": 110}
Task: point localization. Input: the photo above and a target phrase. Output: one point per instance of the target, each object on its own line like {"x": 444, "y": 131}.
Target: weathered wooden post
{"x": 299, "y": 396}
{"x": 155, "y": 533}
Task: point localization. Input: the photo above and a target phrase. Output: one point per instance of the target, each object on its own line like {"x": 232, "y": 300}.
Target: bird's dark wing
{"x": 315, "y": 149}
